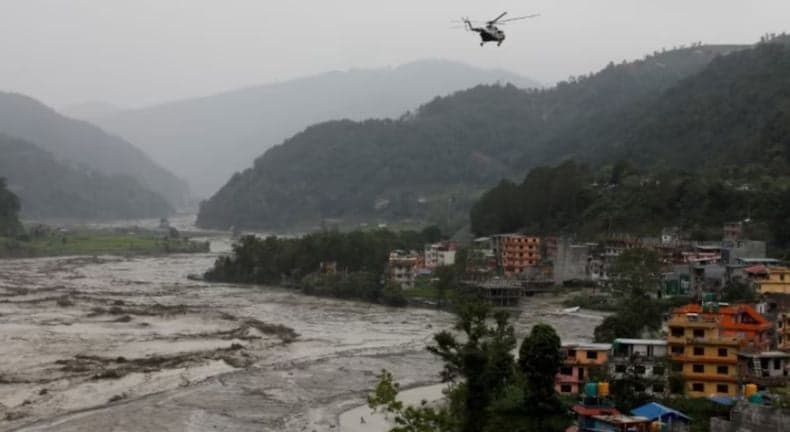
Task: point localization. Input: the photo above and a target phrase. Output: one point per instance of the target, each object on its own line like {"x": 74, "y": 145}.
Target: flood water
{"x": 131, "y": 344}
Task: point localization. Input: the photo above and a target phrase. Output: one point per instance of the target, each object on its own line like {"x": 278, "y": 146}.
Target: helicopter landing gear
{"x": 481, "y": 43}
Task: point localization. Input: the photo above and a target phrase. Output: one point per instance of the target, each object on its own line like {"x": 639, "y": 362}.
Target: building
{"x": 516, "y": 253}
{"x": 619, "y": 423}
{"x": 783, "y": 331}
{"x": 403, "y": 267}
{"x": 706, "y": 359}
{"x": 733, "y": 231}
{"x": 669, "y": 420}
{"x": 440, "y": 254}
{"x": 776, "y": 281}
{"x": 643, "y": 357}
{"x": 481, "y": 262}
{"x": 501, "y": 293}
{"x": 740, "y": 321}
{"x": 570, "y": 262}
{"x": 766, "y": 369}
{"x": 580, "y": 361}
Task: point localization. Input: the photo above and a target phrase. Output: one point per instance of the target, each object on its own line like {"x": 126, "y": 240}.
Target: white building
{"x": 439, "y": 254}
{"x": 641, "y": 357}
{"x": 403, "y": 267}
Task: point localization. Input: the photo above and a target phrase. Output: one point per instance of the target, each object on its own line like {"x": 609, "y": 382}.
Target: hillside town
{"x": 726, "y": 352}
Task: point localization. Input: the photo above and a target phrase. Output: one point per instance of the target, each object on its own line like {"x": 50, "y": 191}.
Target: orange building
{"x": 739, "y": 321}
{"x": 580, "y": 359}
{"x": 516, "y": 253}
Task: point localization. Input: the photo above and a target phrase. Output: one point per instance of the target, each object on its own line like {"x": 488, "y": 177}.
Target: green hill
{"x": 713, "y": 148}
{"x": 85, "y": 146}
{"x": 443, "y": 156}
{"x": 50, "y": 189}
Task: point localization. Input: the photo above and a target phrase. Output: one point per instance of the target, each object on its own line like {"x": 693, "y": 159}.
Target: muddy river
{"x": 131, "y": 344}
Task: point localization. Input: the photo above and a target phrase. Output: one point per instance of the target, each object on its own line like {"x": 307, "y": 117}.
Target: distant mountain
{"x": 206, "y": 140}
{"x": 83, "y": 145}
{"x": 49, "y": 189}
{"x": 442, "y": 156}
{"x": 90, "y": 110}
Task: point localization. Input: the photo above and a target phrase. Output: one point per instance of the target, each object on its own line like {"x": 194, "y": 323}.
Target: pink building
{"x": 580, "y": 359}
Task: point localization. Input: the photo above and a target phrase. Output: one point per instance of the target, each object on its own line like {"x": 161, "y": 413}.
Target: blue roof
{"x": 722, "y": 400}
{"x": 653, "y": 411}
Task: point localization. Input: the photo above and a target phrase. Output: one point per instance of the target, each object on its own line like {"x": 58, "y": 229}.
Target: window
{"x": 676, "y": 331}
{"x": 571, "y": 353}
{"x": 658, "y": 388}
{"x": 658, "y": 370}
{"x": 698, "y": 368}
{"x": 566, "y": 371}
{"x": 722, "y": 388}
{"x": 698, "y": 387}
{"x": 722, "y": 352}
{"x": 565, "y": 388}
{"x": 677, "y": 349}
{"x": 699, "y": 333}
{"x": 639, "y": 370}
{"x": 619, "y": 368}
{"x": 722, "y": 370}
{"x": 777, "y": 364}
{"x": 592, "y": 355}
{"x": 699, "y": 351}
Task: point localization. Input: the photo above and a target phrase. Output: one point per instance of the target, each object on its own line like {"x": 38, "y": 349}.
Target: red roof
{"x": 730, "y": 316}
{"x": 756, "y": 269}
{"x": 593, "y": 411}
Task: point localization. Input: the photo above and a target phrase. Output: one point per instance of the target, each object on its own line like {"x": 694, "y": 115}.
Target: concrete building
{"x": 776, "y": 281}
{"x": 642, "y": 357}
{"x": 440, "y": 254}
{"x": 579, "y": 359}
{"x": 706, "y": 359}
{"x": 571, "y": 262}
{"x": 740, "y": 321}
{"x": 733, "y": 231}
{"x": 403, "y": 267}
{"x": 516, "y": 253}
{"x": 766, "y": 369}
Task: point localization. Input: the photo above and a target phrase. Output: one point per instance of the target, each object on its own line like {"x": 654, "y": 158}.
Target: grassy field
{"x": 98, "y": 243}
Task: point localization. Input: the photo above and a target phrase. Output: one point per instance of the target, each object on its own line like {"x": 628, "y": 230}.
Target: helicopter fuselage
{"x": 489, "y": 33}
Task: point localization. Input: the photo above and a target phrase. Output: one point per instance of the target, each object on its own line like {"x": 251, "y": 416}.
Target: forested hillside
{"x": 223, "y": 133}
{"x": 49, "y": 189}
{"x": 714, "y": 148}
{"x": 84, "y": 146}
{"x": 447, "y": 152}
{"x": 9, "y": 211}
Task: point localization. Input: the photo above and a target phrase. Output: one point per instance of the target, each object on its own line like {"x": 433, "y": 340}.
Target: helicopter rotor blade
{"x": 493, "y": 21}
{"x": 519, "y": 18}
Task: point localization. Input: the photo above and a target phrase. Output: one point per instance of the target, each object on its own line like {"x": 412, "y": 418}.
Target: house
{"x": 580, "y": 362}
{"x": 646, "y": 358}
{"x": 516, "y": 253}
{"x": 403, "y": 267}
{"x": 619, "y": 423}
{"x": 733, "y": 230}
{"x": 481, "y": 261}
{"x": 766, "y": 369}
{"x": 670, "y": 420}
{"x": 440, "y": 254}
{"x": 740, "y": 321}
{"x": 776, "y": 281}
{"x": 702, "y": 355}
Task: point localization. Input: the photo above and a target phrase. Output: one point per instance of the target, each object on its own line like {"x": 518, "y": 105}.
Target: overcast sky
{"x": 138, "y": 52}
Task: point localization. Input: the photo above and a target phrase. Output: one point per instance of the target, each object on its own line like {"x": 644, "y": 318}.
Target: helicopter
{"x": 490, "y": 33}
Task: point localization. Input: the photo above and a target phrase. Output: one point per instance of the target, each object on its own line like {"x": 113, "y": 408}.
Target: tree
{"x": 408, "y": 418}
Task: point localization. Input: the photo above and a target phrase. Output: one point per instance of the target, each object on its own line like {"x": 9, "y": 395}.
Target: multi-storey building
{"x": 776, "y": 281}
{"x": 516, "y": 253}
{"x": 402, "y": 268}
{"x": 706, "y": 359}
{"x": 766, "y": 369}
{"x": 646, "y": 358}
{"x": 740, "y": 321}
{"x": 440, "y": 254}
{"x": 579, "y": 360}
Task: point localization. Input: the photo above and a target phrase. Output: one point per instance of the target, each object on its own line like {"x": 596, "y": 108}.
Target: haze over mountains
{"x": 85, "y": 147}
{"x": 454, "y": 147}
{"x": 205, "y": 140}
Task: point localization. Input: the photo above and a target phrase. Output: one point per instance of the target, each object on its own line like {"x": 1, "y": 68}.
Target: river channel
{"x": 131, "y": 344}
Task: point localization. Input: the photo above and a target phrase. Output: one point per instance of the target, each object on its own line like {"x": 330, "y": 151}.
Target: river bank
{"x": 129, "y": 343}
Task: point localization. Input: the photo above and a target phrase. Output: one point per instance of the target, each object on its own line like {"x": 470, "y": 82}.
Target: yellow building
{"x": 706, "y": 359}
{"x": 777, "y": 281}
